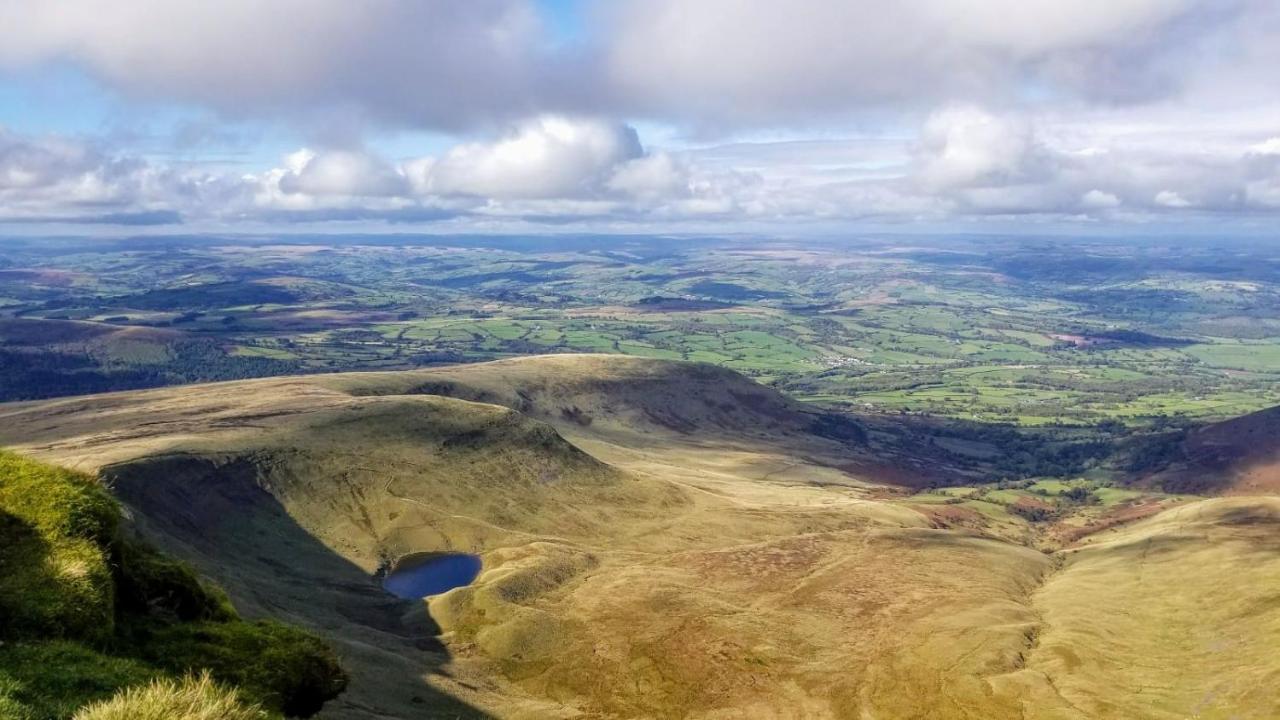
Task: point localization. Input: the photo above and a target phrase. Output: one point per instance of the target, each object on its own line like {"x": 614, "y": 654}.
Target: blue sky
{"x": 640, "y": 115}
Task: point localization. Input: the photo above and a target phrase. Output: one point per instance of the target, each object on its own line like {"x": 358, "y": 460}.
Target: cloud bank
{"x": 452, "y": 65}
{"x": 1095, "y": 111}
{"x": 964, "y": 162}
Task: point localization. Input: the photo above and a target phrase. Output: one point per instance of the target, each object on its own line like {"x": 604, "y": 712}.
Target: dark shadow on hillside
{"x": 215, "y": 515}
{"x": 929, "y": 451}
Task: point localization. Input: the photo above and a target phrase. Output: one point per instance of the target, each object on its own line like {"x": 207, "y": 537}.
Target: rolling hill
{"x": 42, "y": 358}
{"x": 1240, "y": 456}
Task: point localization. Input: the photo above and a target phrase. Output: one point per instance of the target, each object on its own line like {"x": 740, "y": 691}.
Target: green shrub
{"x": 1081, "y": 494}
{"x": 279, "y": 666}
{"x": 149, "y": 583}
{"x": 191, "y": 698}
{"x": 10, "y": 707}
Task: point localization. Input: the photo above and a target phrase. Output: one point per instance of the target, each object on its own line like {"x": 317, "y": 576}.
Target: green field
{"x": 1003, "y": 331}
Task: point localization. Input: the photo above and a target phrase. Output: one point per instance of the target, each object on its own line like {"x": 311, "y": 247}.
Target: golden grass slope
{"x": 1174, "y": 617}
{"x": 659, "y": 540}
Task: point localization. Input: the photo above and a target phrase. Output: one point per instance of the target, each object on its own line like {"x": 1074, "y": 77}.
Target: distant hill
{"x": 42, "y": 358}
{"x": 680, "y": 402}
{"x": 1240, "y": 456}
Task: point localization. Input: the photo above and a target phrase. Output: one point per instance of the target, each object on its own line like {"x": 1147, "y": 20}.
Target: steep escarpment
{"x": 639, "y": 401}
{"x": 383, "y": 477}
{"x": 617, "y": 392}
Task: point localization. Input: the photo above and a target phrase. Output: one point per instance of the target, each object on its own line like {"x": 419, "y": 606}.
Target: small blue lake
{"x": 417, "y": 576}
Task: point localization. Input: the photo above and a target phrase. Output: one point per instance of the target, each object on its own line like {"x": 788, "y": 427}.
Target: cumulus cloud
{"x": 1099, "y": 200}
{"x": 1264, "y": 193}
{"x": 553, "y": 169}
{"x": 964, "y": 162}
{"x": 655, "y": 177}
{"x": 969, "y": 147}
{"x": 769, "y": 112}
{"x": 343, "y": 173}
{"x": 1171, "y": 199}
{"x": 1269, "y": 147}
{"x": 48, "y": 178}
{"x": 548, "y": 166}
{"x": 548, "y": 157}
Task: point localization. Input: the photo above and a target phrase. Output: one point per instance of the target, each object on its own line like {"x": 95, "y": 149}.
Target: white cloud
{"x": 1264, "y": 193}
{"x": 965, "y": 162}
{"x": 1171, "y": 199}
{"x": 52, "y": 177}
{"x": 767, "y": 112}
{"x": 340, "y": 173}
{"x": 1099, "y": 200}
{"x": 968, "y": 147}
{"x": 463, "y": 66}
{"x": 551, "y": 168}
{"x": 1268, "y": 147}
{"x": 548, "y": 157}
{"x": 654, "y": 177}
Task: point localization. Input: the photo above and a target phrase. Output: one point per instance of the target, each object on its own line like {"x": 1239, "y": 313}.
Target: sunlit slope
{"x": 690, "y": 415}
{"x": 1177, "y": 616}
{"x": 868, "y": 622}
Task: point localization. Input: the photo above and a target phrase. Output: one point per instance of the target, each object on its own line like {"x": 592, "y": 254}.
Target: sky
{"x": 679, "y": 116}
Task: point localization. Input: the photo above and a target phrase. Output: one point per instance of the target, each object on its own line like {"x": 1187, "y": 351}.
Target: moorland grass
{"x": 55, "y": 576}
{"x": 44, "y": 680}
{"x": 191, "y": 698}
{"x": 272, "y": 663}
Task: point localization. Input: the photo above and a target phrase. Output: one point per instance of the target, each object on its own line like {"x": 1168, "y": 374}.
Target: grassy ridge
{"x": 89, "y": 611}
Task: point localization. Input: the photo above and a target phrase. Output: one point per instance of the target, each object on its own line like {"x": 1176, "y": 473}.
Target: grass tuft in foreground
{"x": 190, "y": 698}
